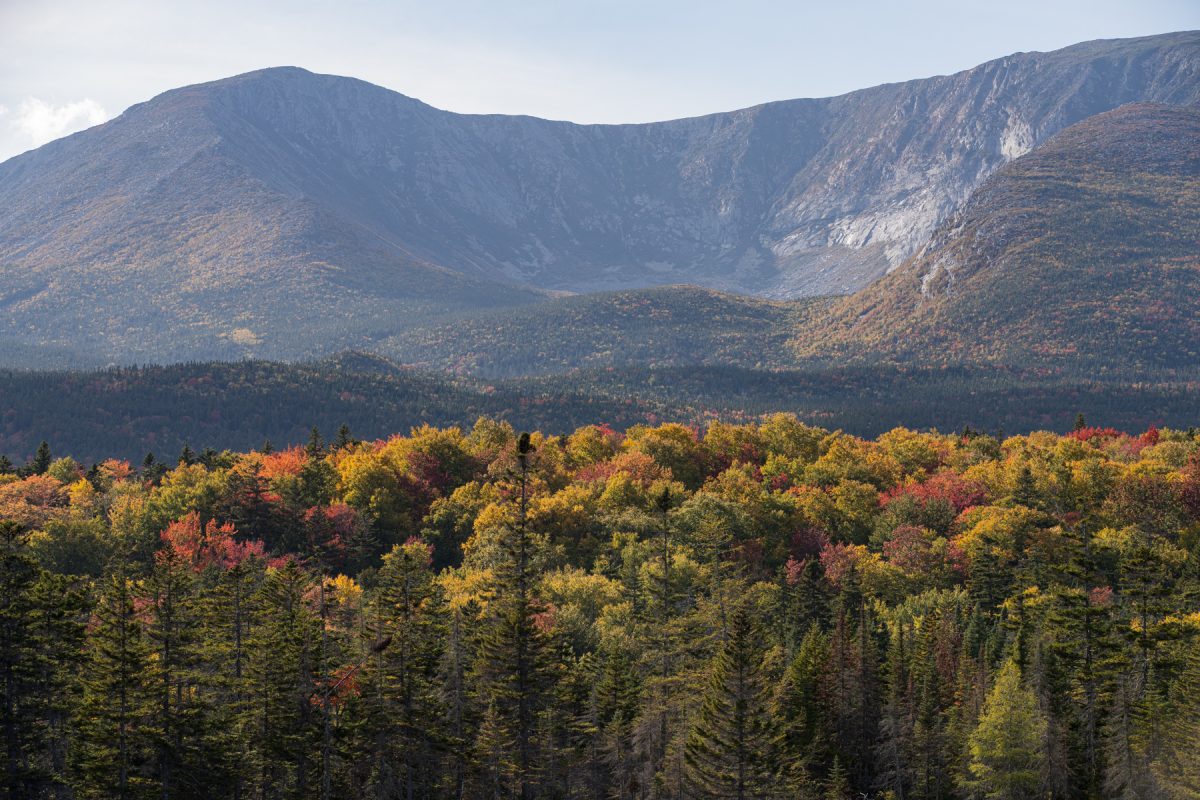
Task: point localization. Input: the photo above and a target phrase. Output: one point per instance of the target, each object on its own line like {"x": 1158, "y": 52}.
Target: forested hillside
{"x": 762, "y": 611}
{"x": 670, "y": 326}
{"x": 128, "y": 412}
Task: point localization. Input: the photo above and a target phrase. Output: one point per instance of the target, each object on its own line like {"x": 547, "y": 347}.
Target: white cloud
{"x": 39, "y": 122}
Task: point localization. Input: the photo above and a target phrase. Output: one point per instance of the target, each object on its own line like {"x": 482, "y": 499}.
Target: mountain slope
{"x": 282, "y": 213}
{"x": 1084, "y": 253}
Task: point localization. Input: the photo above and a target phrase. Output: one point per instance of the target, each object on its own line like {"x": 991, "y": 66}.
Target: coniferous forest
{"x": 768, "y": 610}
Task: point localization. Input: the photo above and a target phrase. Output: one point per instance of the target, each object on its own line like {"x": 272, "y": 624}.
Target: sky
{"x": 69, "y": 64}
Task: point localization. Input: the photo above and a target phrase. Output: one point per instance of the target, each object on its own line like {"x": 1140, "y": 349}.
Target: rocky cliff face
{"x": 1080, "y": 254}
{"x": 203, "y": 222}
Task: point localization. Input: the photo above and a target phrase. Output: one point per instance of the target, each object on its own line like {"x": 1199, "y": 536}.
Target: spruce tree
{"x": 41, "y": 460}
{"x": 801, "y": 728}
{"x": 40, "y": 634}
{"x": 1177, "y": 765}
{"x": 399, "y": 680}
{"x": 511, "y": 661}
{"x": 729, "y": 749}
{"x": 115, "y": 747}
{"x": 284, "y": 660}
{"x": 185, "y": 764}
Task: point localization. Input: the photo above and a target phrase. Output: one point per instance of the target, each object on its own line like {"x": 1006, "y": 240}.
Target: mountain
{"x": 282, "y": 213}
{"x": 1080, "y": 254}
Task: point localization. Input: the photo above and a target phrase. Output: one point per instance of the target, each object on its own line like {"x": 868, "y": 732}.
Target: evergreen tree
{"x": 729, "y": 749}
{"x": 40, "y": 632}
{"x": 616, "y": 706}
{"x": 1177, "y": 765}
{"x": 1006, "y": 754}
{"x": 41, "y": 460}
{"x": 230, "y": 612}
{"x": 186, "y": 765}
{"x": 115, "y": 748}
{"x": 400, "y": 679}
{"x": 284, "y": 658}
{"x": 837, "y": 785}
{"x": 802, "y": 730}
{"x": 511, "y": 662}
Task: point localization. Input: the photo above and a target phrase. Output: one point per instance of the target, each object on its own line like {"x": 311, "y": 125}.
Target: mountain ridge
{"x": 232, "y": 209}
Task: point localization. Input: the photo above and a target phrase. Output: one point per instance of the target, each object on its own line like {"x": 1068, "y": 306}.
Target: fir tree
{"x": 729, "y": 752}
{"x": 801, "y": 727}
{"x": 1177, "y": 765}
{"x": 284, "y": 659}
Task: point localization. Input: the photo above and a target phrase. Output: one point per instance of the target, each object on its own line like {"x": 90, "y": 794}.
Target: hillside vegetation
{"x": 131, "y": 411}
{"x": 669, "y": 326}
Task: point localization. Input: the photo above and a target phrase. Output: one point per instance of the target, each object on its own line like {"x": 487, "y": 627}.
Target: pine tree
{"x": 1006, "y": 756}
{"x": 114, "y": 754}
{"x": 729, "y": 753}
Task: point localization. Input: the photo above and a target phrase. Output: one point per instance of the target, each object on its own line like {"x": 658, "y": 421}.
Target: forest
{"x": 125, "y": 412}
{"x": 758, "y": 610}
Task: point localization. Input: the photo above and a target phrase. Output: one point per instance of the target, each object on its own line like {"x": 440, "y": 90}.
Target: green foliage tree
{"x": 729, "y": 751}
{"x": 1006, "y": 755}
{"x": 115, "y": 752}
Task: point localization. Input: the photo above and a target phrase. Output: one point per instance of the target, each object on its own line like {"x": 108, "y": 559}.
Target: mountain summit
{"x": 283, "y": 213}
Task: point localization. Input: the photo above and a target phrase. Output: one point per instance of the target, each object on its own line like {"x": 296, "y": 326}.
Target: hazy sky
{"x": 67, "y": 64}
